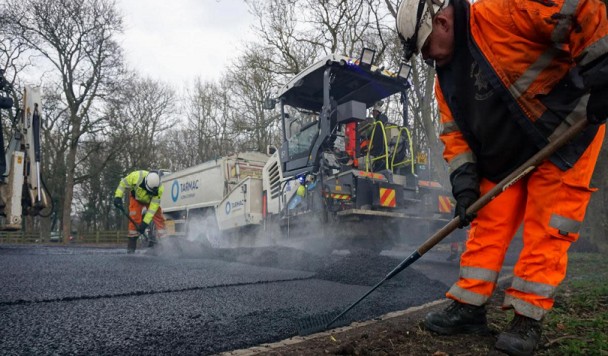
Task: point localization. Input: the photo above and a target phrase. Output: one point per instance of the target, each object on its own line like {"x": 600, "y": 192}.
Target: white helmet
{"x": 152, "y": 182}
{"x": 415, "y": 23}
{"x": 378, "y": 106}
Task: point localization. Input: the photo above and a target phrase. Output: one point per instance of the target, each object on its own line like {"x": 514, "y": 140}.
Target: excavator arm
{"x": 21, "y": 188}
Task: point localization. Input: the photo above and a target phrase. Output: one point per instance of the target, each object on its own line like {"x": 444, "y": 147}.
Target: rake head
{"x": 315, "y": 324}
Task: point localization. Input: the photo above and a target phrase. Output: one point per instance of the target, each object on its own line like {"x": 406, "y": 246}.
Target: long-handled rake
{"x": 317, "y": 324}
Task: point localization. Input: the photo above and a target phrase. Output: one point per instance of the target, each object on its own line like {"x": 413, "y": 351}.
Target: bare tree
{"x": 7, "y": 118}
{"x": 277, "y": 27}
{"x": 210, "y": 119}
{"x": 55, "y": 144}
{"x": 13, "y": 61}
{"x": 139, "y": 113}
{"x": 93, "y": 201}
{"x": 180, "y": 147}
{"x": 299, "y": 32}
{"x": 249, "y": 86}
{"x": 425, "y": 116}
{"x": 12, "y": 51}
{"x": 76, "y": 37}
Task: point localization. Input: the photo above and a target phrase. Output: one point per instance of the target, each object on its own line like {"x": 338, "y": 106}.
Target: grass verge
{"x": 578, "y": 323}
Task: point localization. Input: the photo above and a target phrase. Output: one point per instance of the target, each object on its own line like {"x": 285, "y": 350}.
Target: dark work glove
{"x": 118, "y": 203}
{"x": 141, "y": 228}
{"x": 463, "y": 202}
{"x": 465, "y": 189}
{"x": 597, "y": 106}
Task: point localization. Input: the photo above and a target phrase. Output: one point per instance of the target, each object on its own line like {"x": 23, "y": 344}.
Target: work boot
{"x": 521, "y": 337}
{"x": 132, "y": 244}
{"x": 458, "y": 318}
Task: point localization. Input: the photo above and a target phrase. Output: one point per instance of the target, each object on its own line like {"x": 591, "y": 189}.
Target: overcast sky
{"x": 177, "y": 40}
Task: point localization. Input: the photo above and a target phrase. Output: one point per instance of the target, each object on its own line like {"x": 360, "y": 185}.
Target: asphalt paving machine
{"x": 343, "y": 173}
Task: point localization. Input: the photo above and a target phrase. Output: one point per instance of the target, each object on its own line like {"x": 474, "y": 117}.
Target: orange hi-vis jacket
{"x": 542, "y": 57}
{"x": 528, "y": 50}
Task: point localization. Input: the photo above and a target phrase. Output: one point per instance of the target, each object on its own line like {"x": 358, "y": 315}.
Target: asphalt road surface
{"x": 74, "y": 300}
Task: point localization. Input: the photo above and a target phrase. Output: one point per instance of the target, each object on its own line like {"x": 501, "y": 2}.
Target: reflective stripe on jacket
{"x": 538, "y": 54}
{"x": 133, "y": 182}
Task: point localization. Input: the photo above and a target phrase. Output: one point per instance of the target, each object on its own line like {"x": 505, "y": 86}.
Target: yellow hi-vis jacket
{"x": 133, "y": 182}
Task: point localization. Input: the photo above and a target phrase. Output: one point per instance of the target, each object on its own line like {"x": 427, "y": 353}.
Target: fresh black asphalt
{"x": 83, "y": 301}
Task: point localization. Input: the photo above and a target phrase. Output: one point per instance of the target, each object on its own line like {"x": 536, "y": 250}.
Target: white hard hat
{"x": 415, "y": 23}
{"x": 152, "y": 181}
{"x": 378, "y": 106}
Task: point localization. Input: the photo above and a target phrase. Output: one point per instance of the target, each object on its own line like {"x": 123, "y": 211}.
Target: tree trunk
{"x": 66, "y": 223}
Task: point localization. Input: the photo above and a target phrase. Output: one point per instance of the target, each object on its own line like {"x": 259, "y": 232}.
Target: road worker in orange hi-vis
{"x": 511, "y": 76}
{"x": 146, "y": 192}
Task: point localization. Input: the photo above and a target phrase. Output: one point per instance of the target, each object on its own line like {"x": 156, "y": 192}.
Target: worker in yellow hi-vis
{"x": 146, "y": 192}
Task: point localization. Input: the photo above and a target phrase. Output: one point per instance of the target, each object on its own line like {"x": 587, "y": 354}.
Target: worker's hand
{"x": 463, "y": 202}
{"x": 118, "y": 203}
{"x": 597, "y": 106}
{"x": 465, "y": 188}
{"x": 141, "y": 228}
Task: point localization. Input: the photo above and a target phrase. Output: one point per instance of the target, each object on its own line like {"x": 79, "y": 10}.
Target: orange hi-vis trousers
{"x": 551, "y": 203}
{"x": 135, "y": 212}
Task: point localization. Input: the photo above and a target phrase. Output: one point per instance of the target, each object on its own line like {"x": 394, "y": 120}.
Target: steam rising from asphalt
{"x": 203, "y": 230}
{"x": 307, "y": 232}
